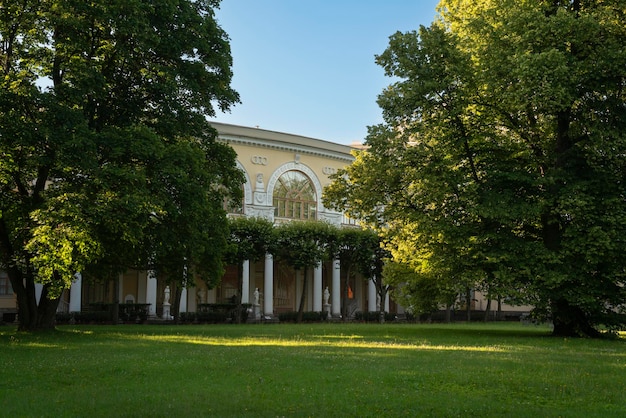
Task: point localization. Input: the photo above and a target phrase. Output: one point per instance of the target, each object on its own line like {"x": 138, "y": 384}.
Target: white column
{"x": 268, "y": 289}
{"x": 38, "y": 290}
{"x": 336, "y": 289}
{"x": 387, "y": 302}
{"x": 317, "y": 288}
{"x": 151, "y": 292}
{"x": 183, "y": 300}
{"x": 76, "y": 290}
{"x": 245, "y": 284}
{"x": 371, "y": 296}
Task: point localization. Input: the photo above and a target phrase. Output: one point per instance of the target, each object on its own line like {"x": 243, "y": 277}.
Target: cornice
{"x": 260, "y": 138}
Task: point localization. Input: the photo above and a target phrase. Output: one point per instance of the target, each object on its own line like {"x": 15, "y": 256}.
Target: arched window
{"x": 294, "y": 196}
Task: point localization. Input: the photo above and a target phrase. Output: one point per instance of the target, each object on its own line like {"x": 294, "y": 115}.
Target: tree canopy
{"x": 501, "y": 155}
{"x": 107, "y": 159}
{"x": 359, "y": 251}
{"x": 304, "y": 245}
{"x": 249, "y": 239}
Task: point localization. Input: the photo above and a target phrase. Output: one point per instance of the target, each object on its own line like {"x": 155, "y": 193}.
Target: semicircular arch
{"x": 247, "y": 185}
{"x": 292, "y": 166}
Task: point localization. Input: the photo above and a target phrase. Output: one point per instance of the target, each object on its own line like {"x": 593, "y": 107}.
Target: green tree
{"x": 303, "y": 245}
{"x": 105, "y": 144}
{"x": 419, "y": 284}
{"x": 502, "y": 153}
{"x": 249, "y": 239}
{"x": 419, "y": 293}
{"x": 189, "y": 239}
{"x": 360, "y": 252}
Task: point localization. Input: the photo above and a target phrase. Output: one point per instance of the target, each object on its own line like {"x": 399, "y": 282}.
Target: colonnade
{"x": 268, "y": 290}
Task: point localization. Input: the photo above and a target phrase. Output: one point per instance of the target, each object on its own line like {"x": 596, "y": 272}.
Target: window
{"x": 294, "y": 196}
{"x": 5, "y": 285}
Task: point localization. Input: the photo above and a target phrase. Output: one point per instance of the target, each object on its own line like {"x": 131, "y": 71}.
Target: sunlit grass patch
{"x": 338, "y": 341}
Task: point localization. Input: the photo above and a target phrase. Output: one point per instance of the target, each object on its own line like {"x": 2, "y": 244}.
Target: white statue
{"x": 256, "y": 296}
{"x": 201, "y": 295}
{"x": 326, "y": 295}
{"x": 167, "y": 295}
{"x": 259, "y": 182}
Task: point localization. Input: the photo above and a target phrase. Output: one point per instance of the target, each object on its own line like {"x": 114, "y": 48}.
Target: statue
{"x": 259, "y": 182}
{"x": 167, "y": 295}
{"x": 255, "y": 308}
{"x": 326, "y": 295}
{"x": 166, "y": 304}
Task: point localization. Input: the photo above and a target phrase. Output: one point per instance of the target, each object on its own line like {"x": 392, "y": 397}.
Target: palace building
{"x": 273, "y": 163}
{"x": 284, "y": 178}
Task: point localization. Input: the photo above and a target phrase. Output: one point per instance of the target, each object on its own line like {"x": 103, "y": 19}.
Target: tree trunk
{"x": 344, "y": 295}
{"x": 115, "y": 309}
{"x": 175, "y": 308}
{"x": 31, "y": 316}
{"x": 26, "y": 306}
{"x": 381, "y": 314}
{"x": 499, "y": 314}
{"x": 239, "y": 308}
{"x": 468, "y": 304}
{"x": 302, "y": 297}
{"x": 448, "y": 313}
{"x": 46, "y": 310}
{"x": 571, "y": 321}
{"x": 487, "y": 310}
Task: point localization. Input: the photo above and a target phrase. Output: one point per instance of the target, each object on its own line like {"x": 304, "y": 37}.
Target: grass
{"x": 320, "y": 370}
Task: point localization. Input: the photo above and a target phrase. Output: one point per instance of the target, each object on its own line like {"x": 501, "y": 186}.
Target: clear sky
{"x": 307, "y": 67}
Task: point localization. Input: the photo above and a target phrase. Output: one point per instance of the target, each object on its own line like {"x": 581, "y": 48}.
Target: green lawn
{"x": 321, "y": 370}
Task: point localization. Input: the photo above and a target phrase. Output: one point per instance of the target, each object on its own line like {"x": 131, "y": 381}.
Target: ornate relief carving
{"x": 259, "y": 160}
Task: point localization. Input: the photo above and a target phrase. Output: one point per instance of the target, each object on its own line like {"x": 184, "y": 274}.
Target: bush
{"x": 211, "y": 317}
{"x": 63, "y": 317}
{"x": 96, "y": 317}
{"x": 131, "y": 312}
{"x": 373, "y": 316}
{"x": 187, "y": 317}
{"x": 306, "y": 316}
{"x": 228, "y": 311}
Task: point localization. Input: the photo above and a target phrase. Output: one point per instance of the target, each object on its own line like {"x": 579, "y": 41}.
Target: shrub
{"x": 96, "y": 317}
{"x": 226, "y": 310}
{"x": 187, "y": 317}
{"x": 131, "y": 312}
{"x": 306, "y": 316}
{"x": 63, "y": 317}
{"x": 211, "y": 317}
{"x": 373, "y": 316}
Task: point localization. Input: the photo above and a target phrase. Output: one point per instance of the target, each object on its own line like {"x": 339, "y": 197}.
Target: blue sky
{"x": 307, "y": 66}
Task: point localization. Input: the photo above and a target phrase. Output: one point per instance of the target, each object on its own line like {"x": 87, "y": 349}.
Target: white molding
{"x": 247, "y": 185}
{"x": 259, "y": 143}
